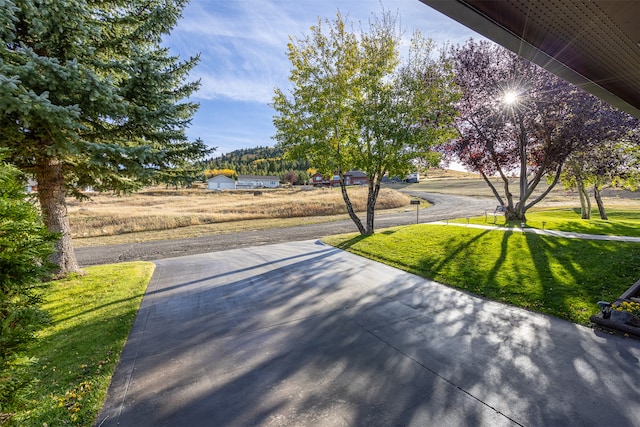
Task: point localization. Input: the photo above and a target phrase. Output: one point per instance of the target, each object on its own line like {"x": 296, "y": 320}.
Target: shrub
{"x": 25, "y": 245}
{"x": 629, "y": 306}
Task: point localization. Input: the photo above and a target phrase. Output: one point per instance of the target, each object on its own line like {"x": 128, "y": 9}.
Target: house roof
{"x": 220, "y": 178}
{"x": 356, "y": 174}
{"x": 594, "y": 44}
{"x": 257, "y": 178}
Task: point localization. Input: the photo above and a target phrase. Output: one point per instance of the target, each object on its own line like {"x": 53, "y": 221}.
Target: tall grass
{"x": 158, "y": 209}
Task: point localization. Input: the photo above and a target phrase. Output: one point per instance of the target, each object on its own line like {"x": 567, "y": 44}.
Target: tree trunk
{"x": 372, "y": 197}
{"x": 524, "y": 182}
{"x": 52, "y": 197}
{"x": 493, "y": 188}
{"x": 514, "y": 214}
{"x": 596, "y": 195}
{"x": 507, "y": 191}
{"x": 585, "y": 200}
{"x": 350, "y": 210}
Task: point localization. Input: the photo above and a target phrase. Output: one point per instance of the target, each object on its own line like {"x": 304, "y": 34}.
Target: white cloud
{"x": 242, "y": 45}
{"x": 240, "y": 22}
{"x": 238, "y": 88}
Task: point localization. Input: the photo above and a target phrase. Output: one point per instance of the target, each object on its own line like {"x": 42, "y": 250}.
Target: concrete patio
{"x": 308, "y": 335}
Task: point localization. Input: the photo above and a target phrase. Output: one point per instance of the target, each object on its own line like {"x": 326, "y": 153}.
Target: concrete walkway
{"x": 303, "y": 334}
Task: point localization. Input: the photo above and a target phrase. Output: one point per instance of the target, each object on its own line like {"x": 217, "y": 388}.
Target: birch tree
{"x": 355, "y": 104}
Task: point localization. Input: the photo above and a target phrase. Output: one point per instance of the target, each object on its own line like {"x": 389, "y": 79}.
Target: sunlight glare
{"x": 510, "y": 97}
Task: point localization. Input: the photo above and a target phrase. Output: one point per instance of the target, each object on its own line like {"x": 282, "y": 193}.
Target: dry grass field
{"x": 158, "y": 209}
{"x": 159, "y": 213}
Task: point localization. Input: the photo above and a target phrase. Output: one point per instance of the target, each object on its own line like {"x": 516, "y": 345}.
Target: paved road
{"x": 444, "y": 207}
{"x": 303, "y": 334}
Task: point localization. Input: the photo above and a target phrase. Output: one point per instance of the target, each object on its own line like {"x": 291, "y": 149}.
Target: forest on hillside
{"x": 267, "y": 161}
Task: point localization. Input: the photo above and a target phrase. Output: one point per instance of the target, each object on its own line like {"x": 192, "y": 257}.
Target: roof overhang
{"x": 594, "y": 44}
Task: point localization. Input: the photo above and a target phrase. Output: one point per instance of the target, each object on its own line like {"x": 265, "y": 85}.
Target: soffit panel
{"x": 592, "y": 43}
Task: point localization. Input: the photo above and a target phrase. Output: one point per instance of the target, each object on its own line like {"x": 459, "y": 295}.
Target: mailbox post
{"x": 417, "y": 203}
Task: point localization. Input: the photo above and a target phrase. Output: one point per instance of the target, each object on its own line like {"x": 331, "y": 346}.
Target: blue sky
{"x": 242, "y": 45}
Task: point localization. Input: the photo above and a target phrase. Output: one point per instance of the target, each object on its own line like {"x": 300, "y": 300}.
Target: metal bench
{"x": 499, "y": 210}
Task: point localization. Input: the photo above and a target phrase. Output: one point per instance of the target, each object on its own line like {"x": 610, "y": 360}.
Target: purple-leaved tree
{"x": 518, "y": 119}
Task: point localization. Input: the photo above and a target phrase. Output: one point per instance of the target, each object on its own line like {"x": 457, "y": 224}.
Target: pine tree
{"x": 252, "y": 161}
{"x": 25, "y": 245}
{"x": 90, "y": 98}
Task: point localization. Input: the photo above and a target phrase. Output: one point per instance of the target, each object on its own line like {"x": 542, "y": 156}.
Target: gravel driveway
{"x": 444, "y": 206}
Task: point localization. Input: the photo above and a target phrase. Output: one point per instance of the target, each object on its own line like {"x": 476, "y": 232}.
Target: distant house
{"x": 221, "y": 182}
{"x": 256, "y": 181}
{"x": 318, "y": 180}
{"x": 356, "y": 178}
{"x": 413, "y": 177}
{"x": 350, "y": 178}
{"x": 31, "y": 186}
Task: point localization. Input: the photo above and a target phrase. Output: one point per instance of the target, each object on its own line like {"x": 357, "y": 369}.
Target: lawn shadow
{"x": 455, "y": 249}
{"x": 347, "y": 244}
{"x": 576, "y": 270}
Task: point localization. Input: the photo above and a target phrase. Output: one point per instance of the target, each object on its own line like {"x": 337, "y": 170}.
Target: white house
{"x": 256, "y": 181}
{"x": 221, "y": 182}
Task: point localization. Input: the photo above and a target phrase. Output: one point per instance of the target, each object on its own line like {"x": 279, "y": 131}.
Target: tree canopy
{"x": 355, "y": 105}
{"x": 516, "y": 118}
{"x": 606, "y": 164}
{"x": 25, "y": 245}
{"x": 258, "y": 161}
{"x": 91, "y": 99}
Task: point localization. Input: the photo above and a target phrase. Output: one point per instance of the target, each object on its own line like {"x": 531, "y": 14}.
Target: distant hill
{"x": 268, "y": 161}
{"x": 260, "y": 161}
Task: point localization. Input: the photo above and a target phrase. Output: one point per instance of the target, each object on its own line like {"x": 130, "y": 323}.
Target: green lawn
{"x": 621, "y": 222}
{"x": 559, "y": 276}
{"x": 77, "y": 353}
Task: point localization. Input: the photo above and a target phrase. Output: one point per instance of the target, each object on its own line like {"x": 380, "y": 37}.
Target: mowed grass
{"x": 158, "y": 209}
{"x": 558, "y": 276}
{"x": 621, "y": 222}
{"x": 78, "y": 351}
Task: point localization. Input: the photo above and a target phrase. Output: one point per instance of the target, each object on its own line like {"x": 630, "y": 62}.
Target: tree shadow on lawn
{"x": 543, "y": 273}
{"x": 461, "y": 260}
{"x": 348, "y": 244}
{"x": 576, "y": 274}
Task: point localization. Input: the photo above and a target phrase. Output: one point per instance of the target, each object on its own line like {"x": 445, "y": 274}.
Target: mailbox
{"x": 417, "y": 203}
